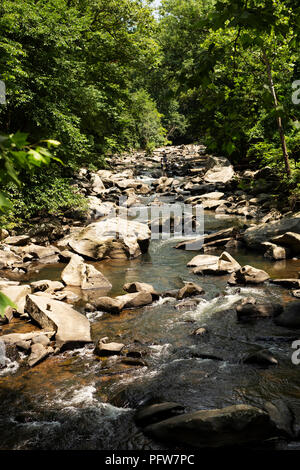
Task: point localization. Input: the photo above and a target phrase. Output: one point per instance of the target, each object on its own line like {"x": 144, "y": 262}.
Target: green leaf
{"x": 5, "y": 302}
{"x": 5, "y": 203}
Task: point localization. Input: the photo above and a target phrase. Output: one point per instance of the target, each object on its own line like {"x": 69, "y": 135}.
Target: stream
{"x": 74, "y": 401}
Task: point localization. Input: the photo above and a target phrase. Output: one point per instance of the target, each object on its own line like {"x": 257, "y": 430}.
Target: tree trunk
{"x": 279, "y": 120}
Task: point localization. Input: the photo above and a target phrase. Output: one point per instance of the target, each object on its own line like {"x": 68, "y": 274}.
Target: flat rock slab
{"x": 288, "y": 283}
{"x": 265, "y": 232}
{"x": 71, "y": 326}
{"x": 14, "y": 338}
{"x": 233, "y": 425}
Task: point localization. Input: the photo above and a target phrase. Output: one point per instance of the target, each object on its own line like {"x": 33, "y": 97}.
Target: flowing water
{"x": 75, "y": 401}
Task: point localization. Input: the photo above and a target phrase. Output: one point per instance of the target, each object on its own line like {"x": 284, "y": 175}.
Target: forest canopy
{"x": 106, "y": 76}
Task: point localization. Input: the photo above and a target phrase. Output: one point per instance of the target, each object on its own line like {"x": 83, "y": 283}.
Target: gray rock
{"x": 132, "y": 287}
{"x": 189, "y": 290}
{"x": 263, "y": 358}
{"x": 249, "y": 275}
{"x": 290, "y": 318}
{"x": 255, "y": 236}
{"x": 230, "y": 426}
{"x": 108, "y": 349}
{"x": 71, "y": 327}
{"x": 111, "y": 238}
{"x": 41, "y": 339}
{"x": 79, "y": 274}
{"x": 289, "y": 239}
{"x": 249, "y": 308}
{"x": 38, "y": 353}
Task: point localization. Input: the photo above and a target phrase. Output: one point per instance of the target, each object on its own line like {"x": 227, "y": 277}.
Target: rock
{"x": 7, "y": 283}
{"x": 249, "y": 275}
{"x": 135, "y": 300}
{"x": 38, "y": 353}
{"x": 109, "y": 304}
{"x": 263, "y": 358}
{"x": 19, "y": 240}
{"x": 79, "y": 274}
{"x": 200, "y": 331}
{"x": 291, "y": 240}
{"x": 255, "y": 236}
{"x": 108, "y": 349}
{"x": 18, "y": 295}
{"x": 15, "y": 338}
{"x": 249, "y": 309}
{"x": 288, "y": 283}
{"x": 41, "y": 339}
{"x": 212, "y": 196}
{"x": 3, "y": 234}
{"x": 282, "y": 416}
{"x": 274, "y": 252}
{"x": 190, "y": 289}
{"x": 44, "y": 254}
{"x": 98, "y": 209}
{"x": 111, "y": 238}
{"x": 97, "y": 184}
{"x": 132, "y": 287}
{"x": 290, "y": 318}
{"x": 46, "y": 285}
{"x": 225, "y": 264}
{"x": 190, "y": 245}
{"x": 222, "y": 172}
{"x": 135, "y": 362}
{"x": 157, "y": 412}
{"x": 203, "y": 260}
{"x": 24, "y": 345}
{"x": 9, "y": 260}
{"x": 170, "y": 293}
{"x": 230, "y": 426}
{"x": 296, "y": 293}
{"x": 71, "y": 327}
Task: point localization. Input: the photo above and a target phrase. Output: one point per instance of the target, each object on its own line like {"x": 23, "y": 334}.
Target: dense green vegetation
{"x": 103, "y": 76}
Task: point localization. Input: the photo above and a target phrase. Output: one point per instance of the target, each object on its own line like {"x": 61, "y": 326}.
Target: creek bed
{"x": 74, "y": 401}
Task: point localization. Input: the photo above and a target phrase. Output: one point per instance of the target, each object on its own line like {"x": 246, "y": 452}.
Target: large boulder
{"x": 290, "y": 318}
{"x": 111, "y": 238}
{"x": 71, "y": 327}
{"x": 274, "y": 251}
{"x": 230, "y": 426}
{"x": 132, "y": 287}
{"x": 189, "y": 290}
{"x": 249, "y": 309}
{"x": 220, "y": 170}
{"x": 117, "y": 304}
{"x": 43, "y": 254}
{"x": 224, "y": 264}
{"x": 79, "y": 274}
{"x": 203, "y": 260}
{"x": 255, "y": 236}
{"x": 9, "y": 260}
{"x": 290, "y": 240}
{"x": 46, "y": 286}
{"x": 249, "y": 275}
{"x": 135, "y": 300}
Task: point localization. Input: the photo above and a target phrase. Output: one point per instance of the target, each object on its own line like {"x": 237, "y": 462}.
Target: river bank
{"x": 200, "y": 333}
